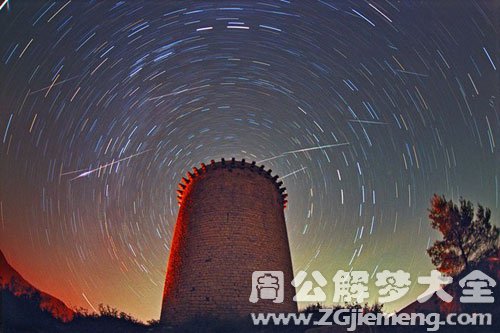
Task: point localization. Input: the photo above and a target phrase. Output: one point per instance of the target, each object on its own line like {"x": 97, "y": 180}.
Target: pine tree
{"x": 467, "y": 239}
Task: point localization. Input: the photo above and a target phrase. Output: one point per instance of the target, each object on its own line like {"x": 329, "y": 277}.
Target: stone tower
{"x": 231, "y": 223}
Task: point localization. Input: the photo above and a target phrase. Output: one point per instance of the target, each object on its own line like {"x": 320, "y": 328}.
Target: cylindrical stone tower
{"x": 231, "y": 223}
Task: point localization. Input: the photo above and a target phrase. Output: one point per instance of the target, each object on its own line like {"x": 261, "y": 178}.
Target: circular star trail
{"x": 364, "y": 108}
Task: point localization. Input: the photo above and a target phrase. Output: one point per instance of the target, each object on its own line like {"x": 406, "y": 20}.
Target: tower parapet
{"x": 190, "y": 177}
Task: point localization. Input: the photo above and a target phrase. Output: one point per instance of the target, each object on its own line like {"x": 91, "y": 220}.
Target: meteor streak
{"x": 316, "y": 148}
{"x": 292, "y": 173}
{"x": 89, "y": 172}
{"x": 54, "y": 84}
{"x": 304, "y": 150}
{"x": 367, "y": 122}
{"x": 412, "y": 73}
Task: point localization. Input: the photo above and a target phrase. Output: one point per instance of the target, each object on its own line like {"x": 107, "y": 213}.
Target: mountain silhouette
{"x": 12, "y": 281}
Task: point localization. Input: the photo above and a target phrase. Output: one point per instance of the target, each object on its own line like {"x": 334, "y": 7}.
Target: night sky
{"x": 364, "y": 108}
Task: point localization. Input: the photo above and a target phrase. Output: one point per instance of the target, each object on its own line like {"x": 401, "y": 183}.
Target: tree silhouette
{"x": 467, "y": 239}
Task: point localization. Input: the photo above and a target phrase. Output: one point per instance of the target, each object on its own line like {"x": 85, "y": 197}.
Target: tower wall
{"x": 230, "y": 223}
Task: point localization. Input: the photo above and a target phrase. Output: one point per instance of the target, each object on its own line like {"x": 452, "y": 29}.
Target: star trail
{"x": 366, "y": 108}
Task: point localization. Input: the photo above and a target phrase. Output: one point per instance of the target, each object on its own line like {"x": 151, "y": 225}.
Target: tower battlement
{"x": 192, "y": 176}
